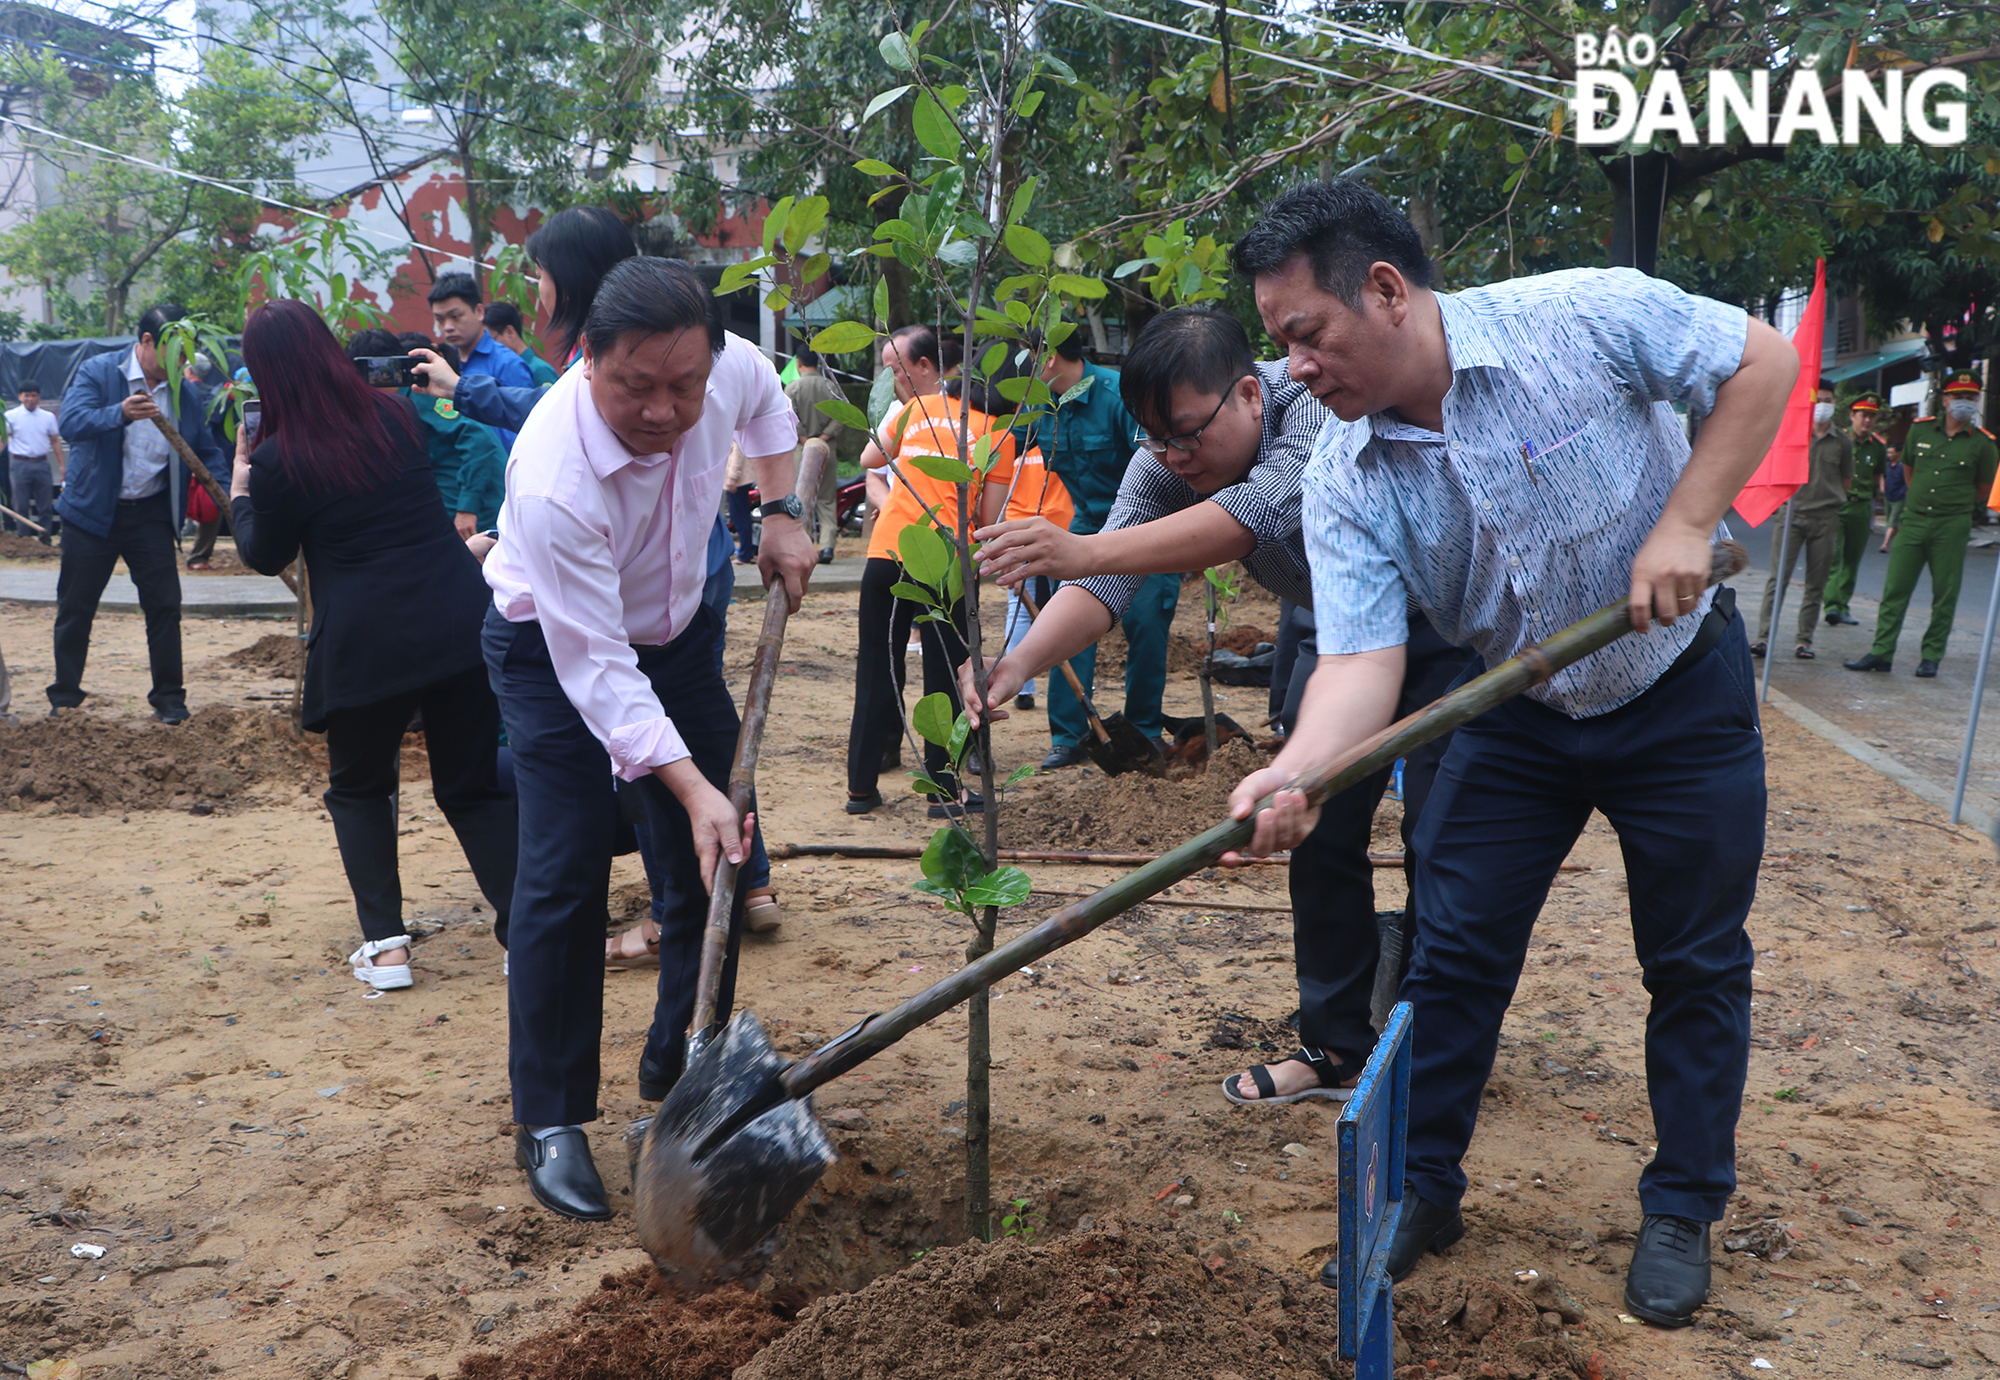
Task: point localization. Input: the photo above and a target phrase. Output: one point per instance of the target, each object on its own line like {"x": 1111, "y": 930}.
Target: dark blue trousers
{"x": 555, "y": 936}
{"x": 1679, "y": 773}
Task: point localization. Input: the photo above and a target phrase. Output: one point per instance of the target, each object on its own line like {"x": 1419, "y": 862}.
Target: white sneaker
{"x": 382, "y": 978}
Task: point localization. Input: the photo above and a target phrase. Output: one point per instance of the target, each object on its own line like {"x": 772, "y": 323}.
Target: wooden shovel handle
{"x": 743, "y": 771}
{"x": 205, "y": 479}
{"x": 1089, "y": 709}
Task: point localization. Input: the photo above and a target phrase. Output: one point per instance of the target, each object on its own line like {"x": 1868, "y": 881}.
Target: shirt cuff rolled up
{"x": 637, "y": 748}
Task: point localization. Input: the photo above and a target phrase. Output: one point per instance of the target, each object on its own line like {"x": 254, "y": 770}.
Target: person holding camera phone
{"x": 470, "y": 466}
{"x": 124, "y": 495}
{"x": 339, "y": 472}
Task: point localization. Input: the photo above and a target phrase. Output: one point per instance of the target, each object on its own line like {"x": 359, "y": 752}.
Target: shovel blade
{"x": 1128, "y": 750}
{"x": 725, "y": 1161}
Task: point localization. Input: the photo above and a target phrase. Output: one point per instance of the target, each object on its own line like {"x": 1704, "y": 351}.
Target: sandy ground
{"x": 289, "y": 1177}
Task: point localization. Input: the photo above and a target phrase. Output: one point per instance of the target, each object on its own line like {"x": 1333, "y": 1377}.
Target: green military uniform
{"x": 543, "y": 372}
{"x": 468, "y": 463}
{"x": 1857, "y": 514}
{"x": 1951, "y": 477}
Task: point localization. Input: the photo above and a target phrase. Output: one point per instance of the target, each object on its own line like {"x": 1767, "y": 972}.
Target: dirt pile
{"x": 1472, "y": 1325}
{"x": 15, "y": 546}
{"x": 83, "y": 764}
{"x": 627, "y": 1332}
{"x": 1083, "y": 809}
{"x": 1184, "y": 650}
{"x": 274, "y": 652}
{"x": 1113, "y": 1300}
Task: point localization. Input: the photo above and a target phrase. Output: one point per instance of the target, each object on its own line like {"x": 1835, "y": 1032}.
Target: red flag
{"x": 1788, "y": 465}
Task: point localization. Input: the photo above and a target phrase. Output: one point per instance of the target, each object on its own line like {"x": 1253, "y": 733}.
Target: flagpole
{"x": 1783, "y": 576}
{"x": 1978, "y": 693}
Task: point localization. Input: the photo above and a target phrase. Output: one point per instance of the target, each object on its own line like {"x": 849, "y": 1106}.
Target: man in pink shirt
{"x": 602, "y": 654}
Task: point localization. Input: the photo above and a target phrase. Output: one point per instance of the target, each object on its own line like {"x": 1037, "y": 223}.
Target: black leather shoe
{"x": 1024, "y": 701}
{"x": 561, "y": 1173}
{"x": 1061, "y": 757}
{"x": 655, "y": 1079}
{"x": 172, "y": 714}
{"x": 826, "y": 555}
{"x": 1669, "y": 1275}
{"x": 1869, "y": 662}
{"x": 1425, "y": 1227}
{"x": 1841, "y": 618}
{"x": 1926, "y": 670}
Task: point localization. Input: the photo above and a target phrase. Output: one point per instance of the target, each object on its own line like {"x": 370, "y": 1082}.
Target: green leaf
{"x": 924, "y": 552}
{"x": 880, "y": 302}
{"x": 897, "y": 53}
{"x": 1130, "y": 266}
{"x": 991, "y": 360}
{"x": 952, "y": 97}
{"x": 932, "y": 719}
{"x": 875, "y": 167}
{"x": 1516, "y": 154}
{"x": 843, "y": 338}
{"x": 1059, "y": 331}
{"x": 807, "y": 219}
{"x": 948, "y": 468}
{"x": 1006, "y": 886}
{"x": 944, "y": 891}
{"x": 934, "y": 128}
{"x": 961, "y": 729}
{"x": 1057, "y": 65}
{"x": 1190, "y": 278}
{"x": 1070, "y": 395}
{"x": 1031, "y": 247}
{"x": 1076, "y": 285}
{"x": 1030, "y": 103}
{"x": 952, "y": 858}
{"x": 915, "y": 594}
{"x": 846, "y": 413}
{"x": 920, "y": 782}
{"x": 885, "y": 99}
{"x": 1024, "y": 197}
{"x": 774, "y": 223}
{"x": 1021, "y": 773}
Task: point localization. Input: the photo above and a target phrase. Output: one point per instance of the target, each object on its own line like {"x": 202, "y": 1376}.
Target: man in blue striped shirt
{"x": 1518, "y": 464}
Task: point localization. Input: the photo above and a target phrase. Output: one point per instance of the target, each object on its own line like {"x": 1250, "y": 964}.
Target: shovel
{"x": 1116, "y": 745}
{"x": 735, "y": 1146}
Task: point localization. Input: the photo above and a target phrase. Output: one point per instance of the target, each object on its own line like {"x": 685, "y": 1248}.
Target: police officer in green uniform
{"x": 1857, "y": 514}
{"x": 1951, "y": 465}
{"x": 1087, "y": 443}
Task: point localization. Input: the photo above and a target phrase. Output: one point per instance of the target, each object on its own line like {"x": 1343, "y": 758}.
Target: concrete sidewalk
{"x": 1911, "y": 730}
{"x": 202, "y": 596}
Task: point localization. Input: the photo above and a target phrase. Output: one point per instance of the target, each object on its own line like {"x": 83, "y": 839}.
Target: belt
{"x": 1720, "y": 612}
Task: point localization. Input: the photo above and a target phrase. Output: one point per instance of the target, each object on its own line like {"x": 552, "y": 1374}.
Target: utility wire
{"x": 399, "y": 241}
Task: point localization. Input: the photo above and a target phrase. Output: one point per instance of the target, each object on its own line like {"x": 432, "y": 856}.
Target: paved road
{"x": 240, "y": 596}
{"x": 1918, "y": 725}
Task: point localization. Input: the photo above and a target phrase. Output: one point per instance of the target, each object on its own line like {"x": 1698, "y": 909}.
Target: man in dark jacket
{"x": 124, "y": 494}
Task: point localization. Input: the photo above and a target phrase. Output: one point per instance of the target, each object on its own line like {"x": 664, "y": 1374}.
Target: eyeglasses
{"x": 1188, "y": 440}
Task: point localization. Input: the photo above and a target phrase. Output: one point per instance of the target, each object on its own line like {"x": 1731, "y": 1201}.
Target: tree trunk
{"x": 1423, "y": 215}
{"x": 1638, "y": 203}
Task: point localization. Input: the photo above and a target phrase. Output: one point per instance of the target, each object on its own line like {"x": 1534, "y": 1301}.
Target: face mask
{"x": 1822, "y": 412}
{"x": 1962, "y": 409}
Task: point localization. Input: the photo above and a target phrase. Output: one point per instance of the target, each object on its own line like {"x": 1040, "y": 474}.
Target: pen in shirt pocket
{"x": 1529, "y": 454}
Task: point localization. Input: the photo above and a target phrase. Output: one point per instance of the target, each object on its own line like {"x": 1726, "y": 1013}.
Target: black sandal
{"x": 1331, "y": 1076}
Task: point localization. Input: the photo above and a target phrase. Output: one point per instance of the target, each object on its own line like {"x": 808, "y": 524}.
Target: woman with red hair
{"x": 340, "y": 472}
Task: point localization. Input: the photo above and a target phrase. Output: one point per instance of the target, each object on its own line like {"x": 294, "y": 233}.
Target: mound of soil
{"x": 1184, "y": 650}
{"x": 1083, "y": 809}
{"x": 277, "y": 653}
{"x": 1114, "y": 1300}
{"x": 627, "y": 1332}
{"x": 16, "y": 547}
{"x": 83, "y": 764}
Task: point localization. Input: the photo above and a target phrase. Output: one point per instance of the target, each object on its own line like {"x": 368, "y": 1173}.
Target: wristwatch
{"x": 788, "y": 506}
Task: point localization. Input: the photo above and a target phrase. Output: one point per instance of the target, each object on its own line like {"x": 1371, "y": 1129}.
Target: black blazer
{"x": 397, "y": 599}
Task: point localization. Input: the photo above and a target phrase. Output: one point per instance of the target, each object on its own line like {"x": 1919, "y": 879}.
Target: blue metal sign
{"x": 1373, "y": 1129}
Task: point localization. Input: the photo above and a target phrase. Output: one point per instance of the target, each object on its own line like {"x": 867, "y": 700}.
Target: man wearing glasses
{"x": 1085, "y": 444}
{"x": 1222, "y": 443}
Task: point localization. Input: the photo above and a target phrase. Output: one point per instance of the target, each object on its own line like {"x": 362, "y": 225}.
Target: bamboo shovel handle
{"x": 206, "y": 479}
{"x": 1533, "y": 665}
{"x": 743, "y": 771}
